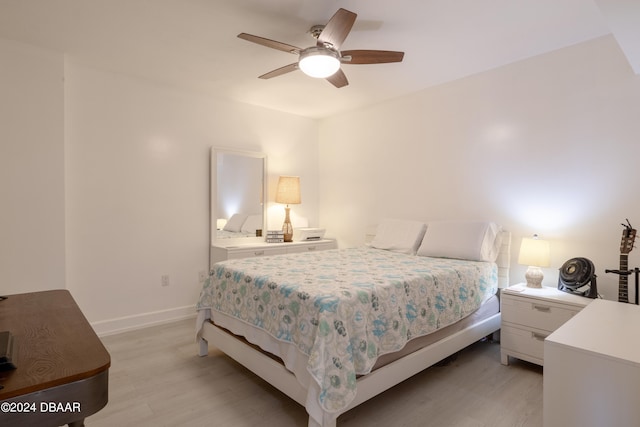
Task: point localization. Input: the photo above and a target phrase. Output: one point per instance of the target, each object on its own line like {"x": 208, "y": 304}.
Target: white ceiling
{"x": 192, "y": 44}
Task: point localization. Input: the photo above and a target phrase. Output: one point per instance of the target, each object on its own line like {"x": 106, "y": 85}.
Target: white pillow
{"x": 235, "y": 222}
{"x": 470, "y": 240}
{"x": 253, "y": 223}
{"x": 399, "y": 235}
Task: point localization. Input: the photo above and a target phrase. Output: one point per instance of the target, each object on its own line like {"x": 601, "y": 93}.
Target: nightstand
{"x": 529, "y": 315}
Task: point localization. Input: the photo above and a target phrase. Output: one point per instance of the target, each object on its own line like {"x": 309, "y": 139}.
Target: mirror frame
{"x": 214, "y": 195}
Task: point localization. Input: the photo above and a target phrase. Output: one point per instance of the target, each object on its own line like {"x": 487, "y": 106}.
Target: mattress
{"x": 332, "y": 315}
{"x": 486, "y": 310}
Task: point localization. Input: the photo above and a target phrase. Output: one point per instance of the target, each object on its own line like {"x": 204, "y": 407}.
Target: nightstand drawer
{"x": 529, "y": 315}
{"x": 236, "y": 251}
{"x": 535, "y": 313}
{"x": 254, "y": 252}
{"x": 310, "y": 247}
{"x": 523, "y": 341}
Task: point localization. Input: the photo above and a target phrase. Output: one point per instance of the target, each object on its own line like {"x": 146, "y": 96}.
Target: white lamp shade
{"x": 318, "y": 62}
{"x": 288, "y": 191}
{"x": 534, "y": 252}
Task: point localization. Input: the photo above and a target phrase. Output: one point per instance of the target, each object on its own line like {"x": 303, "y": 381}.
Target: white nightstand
{"x": 222, "y": 252}
{"x": 529, "y": 315}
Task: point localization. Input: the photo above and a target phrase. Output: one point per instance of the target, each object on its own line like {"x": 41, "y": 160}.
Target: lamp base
{"x": 287, "y": 227}
{"x": 534, "y": 277}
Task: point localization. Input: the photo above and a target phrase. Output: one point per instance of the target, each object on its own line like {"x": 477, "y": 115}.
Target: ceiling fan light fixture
{"x": 319, "y": 62}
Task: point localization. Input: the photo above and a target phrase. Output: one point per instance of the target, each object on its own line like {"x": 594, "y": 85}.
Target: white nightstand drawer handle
{"x": 538, "y": 337}
{"x": 258, "y": 253}
{"x": 311, "y": 248}
{"x": 541, "y": 308}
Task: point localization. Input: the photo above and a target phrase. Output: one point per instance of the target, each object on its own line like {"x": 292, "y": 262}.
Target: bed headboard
{"x": 504, "y": 259}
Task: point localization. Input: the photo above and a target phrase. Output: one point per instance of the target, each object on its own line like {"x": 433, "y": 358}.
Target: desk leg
{"x": 91, "y": 394}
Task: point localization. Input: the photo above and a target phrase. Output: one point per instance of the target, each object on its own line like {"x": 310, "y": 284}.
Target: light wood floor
{"x": 157, "y": 379}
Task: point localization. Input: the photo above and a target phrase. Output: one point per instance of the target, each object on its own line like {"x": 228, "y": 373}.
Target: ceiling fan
{"x": 324, "y": 59}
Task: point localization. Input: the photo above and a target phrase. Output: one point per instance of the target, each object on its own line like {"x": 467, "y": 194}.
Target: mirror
{"x": 238, "y": 190}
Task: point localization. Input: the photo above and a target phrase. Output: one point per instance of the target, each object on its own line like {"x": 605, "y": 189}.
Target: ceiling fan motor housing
{"x": 316, "y": 30}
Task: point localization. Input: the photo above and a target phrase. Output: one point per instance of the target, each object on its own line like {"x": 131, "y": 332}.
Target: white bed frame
{"x": 369, "y": 385}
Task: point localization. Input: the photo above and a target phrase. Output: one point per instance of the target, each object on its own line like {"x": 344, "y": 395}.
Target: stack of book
{"x": 275, "y": 236}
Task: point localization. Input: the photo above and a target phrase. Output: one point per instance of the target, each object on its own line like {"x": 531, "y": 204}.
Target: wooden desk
{"x": 62, "y": 373}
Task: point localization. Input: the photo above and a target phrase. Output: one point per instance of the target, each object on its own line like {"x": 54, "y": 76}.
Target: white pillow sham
{"x": 252, "y": 223}
{"x": 235, "y": 222}
{"x": 397, "y": 235}
{"x": 470, "y": 240}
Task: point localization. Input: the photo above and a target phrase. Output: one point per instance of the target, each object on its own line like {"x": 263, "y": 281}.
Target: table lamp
{"x": 288, "y": 192}
{"x": 534, "y": 252}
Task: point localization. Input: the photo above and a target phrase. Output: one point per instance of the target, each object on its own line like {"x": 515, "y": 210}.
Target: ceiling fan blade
{"x": 371, "y": 56}
{"x": 270, "y": 43}
{"x": 337, "y": 29}
{"x": 280, "y": 71}
{"x": 338, "y": 79}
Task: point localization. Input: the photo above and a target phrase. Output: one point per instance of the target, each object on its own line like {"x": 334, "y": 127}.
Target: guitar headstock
{"x": 628, "y": 238}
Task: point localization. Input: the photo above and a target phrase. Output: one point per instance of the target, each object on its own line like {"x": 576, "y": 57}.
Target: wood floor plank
{"x": 157, "y": 379}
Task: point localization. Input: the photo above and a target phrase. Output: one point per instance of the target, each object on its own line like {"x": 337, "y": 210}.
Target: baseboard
{"x": 144, "y": 320}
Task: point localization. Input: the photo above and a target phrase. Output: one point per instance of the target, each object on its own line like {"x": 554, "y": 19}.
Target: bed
{"x": 331, "y": 329}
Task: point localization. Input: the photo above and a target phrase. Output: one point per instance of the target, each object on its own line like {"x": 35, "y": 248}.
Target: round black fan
{"x": 577, "y": 276}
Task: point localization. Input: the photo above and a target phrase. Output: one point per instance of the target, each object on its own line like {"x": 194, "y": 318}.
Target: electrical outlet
{"x": 164, "y": 280}
{"x": 202, "y": 276}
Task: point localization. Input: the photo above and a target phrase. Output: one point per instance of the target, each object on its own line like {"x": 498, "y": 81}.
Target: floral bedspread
{"x": 343, "y": 308}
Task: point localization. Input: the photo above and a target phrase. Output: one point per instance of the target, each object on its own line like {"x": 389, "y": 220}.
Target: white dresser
{"x": 529, "y": 315}
{"x": 234, "y": 251}
{"x": 592, "y": 368}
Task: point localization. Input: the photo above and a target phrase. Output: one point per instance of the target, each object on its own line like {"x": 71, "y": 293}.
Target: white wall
{"x": 137, "y": 168}
{"x": 547, "y": 145}
{"x": 105, "y": 183}
{"x": 31, "y": 169}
